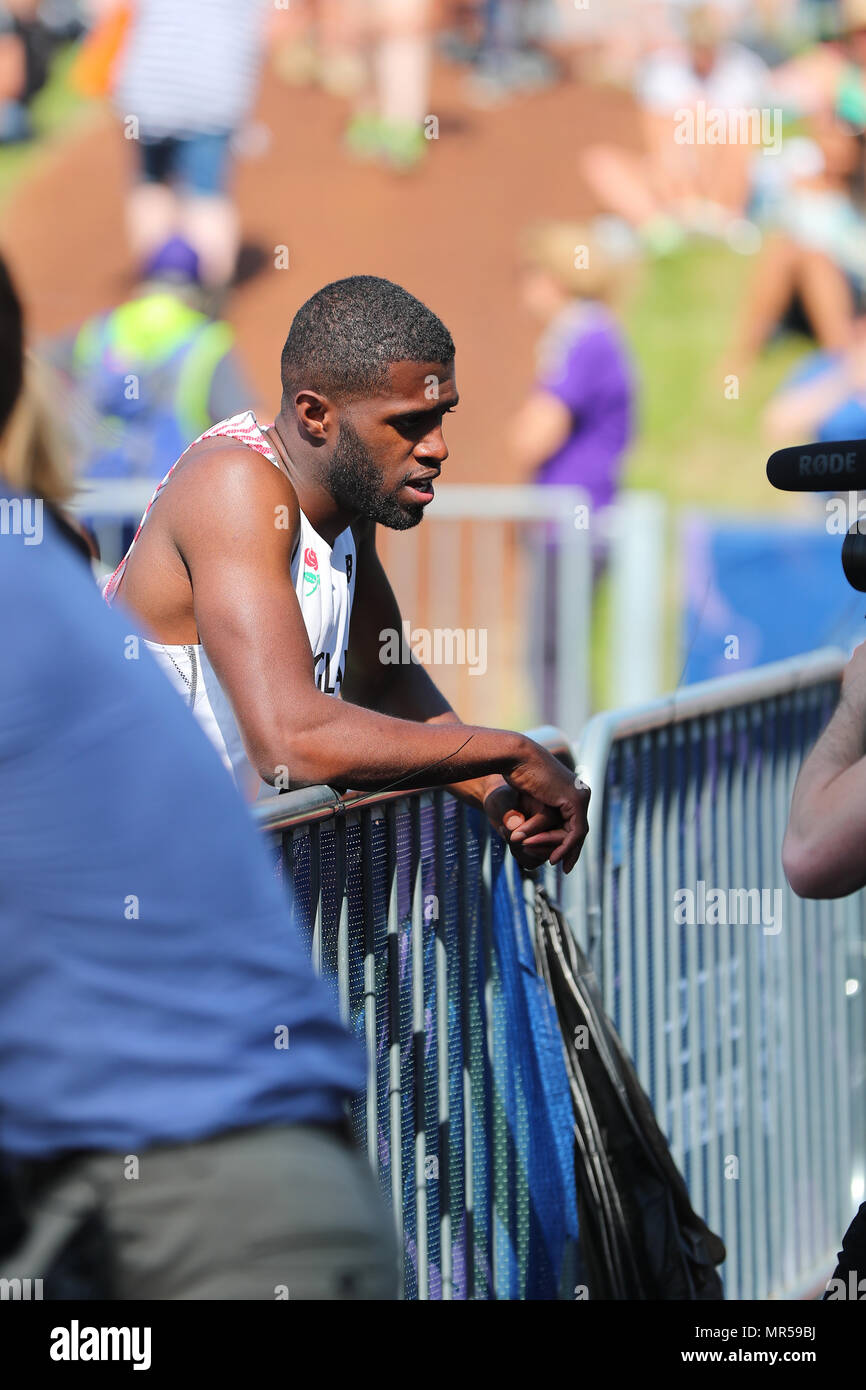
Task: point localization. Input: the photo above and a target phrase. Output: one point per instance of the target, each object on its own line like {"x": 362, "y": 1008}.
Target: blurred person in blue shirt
{"x": 164, "y": 1042}
{"x": 147, "y": 376}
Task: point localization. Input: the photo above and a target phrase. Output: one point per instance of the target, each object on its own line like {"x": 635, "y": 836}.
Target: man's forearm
{"x": 345, "y": 745}
{"x": 477, "y": 789}
{"x": 317, "y": 739}
{"x": 824, "y": 852}
{"x": 839, "y": 748}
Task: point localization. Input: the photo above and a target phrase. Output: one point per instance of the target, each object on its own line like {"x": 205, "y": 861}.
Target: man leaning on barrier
{"x": 259, "y": 546}
{"x": 824, "y": 856}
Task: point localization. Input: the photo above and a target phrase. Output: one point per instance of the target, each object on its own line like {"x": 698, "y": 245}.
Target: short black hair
{"x": 343, "y": 341}
{"x": 11, "y": 346}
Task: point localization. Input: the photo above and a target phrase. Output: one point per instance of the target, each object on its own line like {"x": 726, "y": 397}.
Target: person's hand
{"x": 509, "y": 810}
{"x": 547, "y": 782}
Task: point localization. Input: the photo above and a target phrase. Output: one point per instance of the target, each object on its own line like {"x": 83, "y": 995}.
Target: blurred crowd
{"x": 749, "y": 122}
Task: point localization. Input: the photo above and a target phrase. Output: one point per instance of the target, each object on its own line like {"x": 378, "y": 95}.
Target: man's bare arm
{"x": 824, "y": 852}
{"x": 237, "y": 546}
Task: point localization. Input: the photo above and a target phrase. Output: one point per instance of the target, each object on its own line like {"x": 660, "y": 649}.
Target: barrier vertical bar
{"x": 693, "y": 869}
{"x": 625, "y": 925}
{"x": 746, "y": 1060}
{"x": 711, "y": 1203}
{"x": 394, "y": 1079}
{"x": 419, "y": 1039}
{"x": 342, "y": 904}
{"x": 815, "y": 1039}
{"x": 774, "y": 947}
{"x": 662, "y": 910}
{"x": 676, "y": 1001}
{"x": 611, "y": 828}
{"x": 799, "y": 1063}
{"x": 371, "y": 1042}
{"x": 642, "y": 922}
{"x": 832, "y": 979}
{"x": 727, "y": 966}
{"x": 497, "y": 1195}
{"x": 758, "y": 1001}
{"x": 443, "y": 1058}
{"x": 316, "y": 893}
{"x": 781, "y": 799}
{"x": 468, "y": 1056}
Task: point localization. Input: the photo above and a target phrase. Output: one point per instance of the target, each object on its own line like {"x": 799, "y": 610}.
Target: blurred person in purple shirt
{"x": 576, "y": 425}
{"x": 577, "y": 422}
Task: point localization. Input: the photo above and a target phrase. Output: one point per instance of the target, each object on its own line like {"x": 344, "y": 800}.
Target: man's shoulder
{"x": 221, "y": 479}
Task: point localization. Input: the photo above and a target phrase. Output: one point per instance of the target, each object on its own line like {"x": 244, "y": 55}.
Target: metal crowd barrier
{"x": 750, "y": 1037}
{"x": 393, "y": 894}
{"x": 743, "y": 1007}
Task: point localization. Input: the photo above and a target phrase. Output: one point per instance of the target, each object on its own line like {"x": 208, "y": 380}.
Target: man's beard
{"x": 355, "y": 480}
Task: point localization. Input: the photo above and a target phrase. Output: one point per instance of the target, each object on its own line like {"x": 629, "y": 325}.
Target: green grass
{"x": 54, "y": 110}
{"x": 694, "y": 445}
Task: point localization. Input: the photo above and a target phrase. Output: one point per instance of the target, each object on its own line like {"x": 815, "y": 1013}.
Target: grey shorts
{"x": 283, "y": 1212}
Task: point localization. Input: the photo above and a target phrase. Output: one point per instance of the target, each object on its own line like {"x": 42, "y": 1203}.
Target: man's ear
{"x": 316, "y": 415}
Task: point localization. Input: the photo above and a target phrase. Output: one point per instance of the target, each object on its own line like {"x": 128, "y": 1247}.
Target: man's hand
{"x": 823, "y": 852}
{"x": 542, "y": 779}
{"x": 509, "y": 810}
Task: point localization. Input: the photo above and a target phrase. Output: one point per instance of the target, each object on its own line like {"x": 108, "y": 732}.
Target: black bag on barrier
{"x": 639, "y": 1235}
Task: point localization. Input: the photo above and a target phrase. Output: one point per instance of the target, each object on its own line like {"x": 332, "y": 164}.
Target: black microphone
{"x": 840, "y": 466}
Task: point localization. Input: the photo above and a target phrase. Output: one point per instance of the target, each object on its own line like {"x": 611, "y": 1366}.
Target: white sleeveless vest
{"x": 324, "y": 580}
